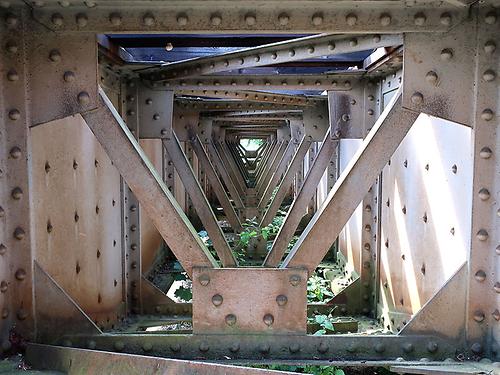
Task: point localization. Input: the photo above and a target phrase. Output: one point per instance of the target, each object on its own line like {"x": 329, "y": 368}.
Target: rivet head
{"x": 419, "y": 19}
{"x": 264, "y": 348}
{"x": 490, "y": 46}
{"x": 367, "y": 246}
{"x": 19, "y": 233}
{"x": 385, "y": 19}
{"x": 204, "y": 347}
{"x": 351, "y": 19}
{"x": 20, "y": 274}
{"x": 480, "y": 276}
{"x": 182, "y": 19}
{"x": 215, "y": 20}
{"x": 476, "y": 348}
{"x": 82, "y": 20}
{"x": 283, "y": 19}
{"x": 370, "y": 112}
{"x": 230, "y": 319}
{"x": 115, "y": 19}
{"x": 408, "y": 347}
{"x": 432, "y": 347}
{"x": 3, "y": 249}
{"x": 281, "y": 300}
{"x": 431, "y": 77}
{"x": 484, "y": 194}
{"x": 55, "y": 55}
{"x": 17, "y": 193}
{"x": 323, "y": 347}
{"x": 3, "y": 286}
{"x": 379, "y": 347}
{"x": 119, "y": 346}
{"x": 57, "y": 19}
{"x": 22, "y": 314}
{"x": 91, "y": 345}
{"x": 2, "y": 212}
{"x": 482, "y": 235}
{"x": 175, "y": 348}
{"x": 11, "y": 20}
{"x": 69, "y": 76}
{"x": 204, "y": 279}
{"x": 417, "y": 98}
{"x": 353, "y": 42}
{"x": 485, "y": 153}
{"x": 295, "y": 280}
{"x": 490, "y": 18}
{"x": 148, "y": 19}
{"x": 5, "y": 313}
{"x": 250, "y": 19}
{"x": 156, "y": 116}
{"x": 294, "y": 347}
{"x": 446, "y": 54}
{"x": 83, "y": 98}
{"x": 445, "y": 19}
{"x": 11, "y": 47}
{"x": 317, "y": 19}
{"x": 217, "y": 300}
{"x": 14, "y": 114}
{"x": 496, "y": 315}
{"x": 12, "y": 75}
{"x": 478, "y": 316}
{"x": 487, "y": 114}
{"x": 147, "y": 346}
{"x": 496, "y": 287}
{"x": 268, "y": 319}
{"x": 376, "y": 38}
{"x": 489, "y": 75}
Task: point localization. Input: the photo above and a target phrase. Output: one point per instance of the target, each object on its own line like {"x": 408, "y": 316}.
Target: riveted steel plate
{"x": 233, "y": 300}
{"x": 63, "y": 73}
{"x": 439, "y": 73}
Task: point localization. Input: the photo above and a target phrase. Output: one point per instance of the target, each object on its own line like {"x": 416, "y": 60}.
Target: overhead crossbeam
{"x": 230, "y": 105}
{"x": 144, "y": 181}
{"x": 299, "y": 205}
{"x": 352, "y": 185}
{"x": 251, "y": 96}
{"x": 270, "y": 54}
{"x": 286, "y": 181}
{"x": 199, "y": 199}
{"x": 330, "y": 82}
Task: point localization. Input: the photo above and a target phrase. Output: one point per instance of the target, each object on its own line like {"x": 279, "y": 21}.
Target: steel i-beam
{"x": 299, "y": 205}
{"x": 286, "y": 181}
{"x": 142, "y": 178}
{"x": 221, "y": 194}
{"x": 352, "y": 185}
{"x": 200, "y": 202}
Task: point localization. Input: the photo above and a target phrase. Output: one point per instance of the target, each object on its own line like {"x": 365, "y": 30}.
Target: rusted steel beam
{"x": 353, "y": 184}
{"x": 286, "y": 181}
{"x": 200, "y": 202}
{"x": 264, "y": 156}
{"x": 142, "y": 178}
{"x": 251, "y": 96}
{"x": 237, "y": 159}
{"x": 236, "y": 176}
{"x": 290, "y": 50}
{"x": 89, "y": 362}
{"x": 299, "y": 205}
{"x": 219, "y": 105}
{"x": 277, "y": 174}
{"x": 219, "y": 191}
{"x": 273, "y": 159}
{"x": 330, "y": 82}
{"x": 221, "y": 169}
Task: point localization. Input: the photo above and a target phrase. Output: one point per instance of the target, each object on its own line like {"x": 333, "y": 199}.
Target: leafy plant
{"x": 309, "y": 369}
{"x": 325, "y": 322}
{"x": 184, "y": 292}
{"x": 318, "y": 289}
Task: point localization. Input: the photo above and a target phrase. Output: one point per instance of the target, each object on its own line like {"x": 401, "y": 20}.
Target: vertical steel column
{"x": 483, "y": 302}
{"x": 16, "y": 305}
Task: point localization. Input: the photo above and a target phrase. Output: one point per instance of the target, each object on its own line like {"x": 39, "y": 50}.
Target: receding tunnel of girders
{"x": 261, "y": 96}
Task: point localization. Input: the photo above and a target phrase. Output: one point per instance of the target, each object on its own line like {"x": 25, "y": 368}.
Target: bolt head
{"x": 431, "y": 77}
{"x": 445, "y": 19}
{"x": 482, "y": 235}
{"x": 250, "y": 19}
{"x": 489, "y": 75}
{"x": 12, "y": 75}
{"x": 182, "y": 20}
{"x": 351, "y": 19}
{"x": 148, "y": 20}
{"x": 115, "y": 19}
{"x": 446, "y": 54}
{"x": 385, "y": 19}
{"x": 484, "y": 194}
{"x": 215, "y": 20}
{"x": 420, "y": 19}
{"x": 317, "y": 19}
{"x": 480, "y": 275}
{"x": 485, "y": 153}
{"x": 432, "y": 347}
{"x": 82, "y": 20}
{"x": 14, "y": 114}
{"x": 57, "y": 20}
{"x": 283, "y": 19}
{"x": 83, "y": 98}
{"x": 487, "y": 114}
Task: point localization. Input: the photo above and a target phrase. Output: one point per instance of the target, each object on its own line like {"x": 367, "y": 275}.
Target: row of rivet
{"x": 283, "y": 19}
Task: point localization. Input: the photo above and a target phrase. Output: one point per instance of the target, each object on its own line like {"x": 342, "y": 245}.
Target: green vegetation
{"x": 314, "y": 370}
